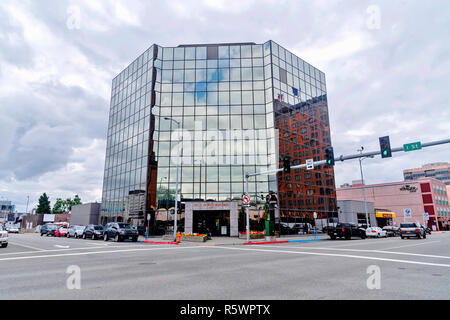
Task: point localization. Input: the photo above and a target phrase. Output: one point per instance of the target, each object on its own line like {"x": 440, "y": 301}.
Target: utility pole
{"x": 363, "y": 186}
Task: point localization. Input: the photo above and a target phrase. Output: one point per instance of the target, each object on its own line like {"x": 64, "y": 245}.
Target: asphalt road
{"x": 34, "y": 267}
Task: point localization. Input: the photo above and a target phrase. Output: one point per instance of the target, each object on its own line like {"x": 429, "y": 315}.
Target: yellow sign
{"x": 384, "y": 214}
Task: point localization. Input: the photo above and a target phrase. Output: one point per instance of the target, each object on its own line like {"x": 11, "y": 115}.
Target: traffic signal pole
{"x": 321, "y": 162}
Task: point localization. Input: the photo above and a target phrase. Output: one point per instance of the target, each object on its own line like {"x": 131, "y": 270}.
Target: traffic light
{"x": 329, "y": 156}
{"x": 385, "y": 147}
{"x": 287, "y": 164}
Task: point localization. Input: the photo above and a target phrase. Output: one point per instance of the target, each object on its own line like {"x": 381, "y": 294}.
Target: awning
{"x": 384, "y": 214}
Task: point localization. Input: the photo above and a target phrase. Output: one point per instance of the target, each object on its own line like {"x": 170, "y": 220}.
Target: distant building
{"x": 420, "y": 196}
{"x": 84, "y": 214}
{"x": 439, "y": 171}
{"x": 6, "y": 208}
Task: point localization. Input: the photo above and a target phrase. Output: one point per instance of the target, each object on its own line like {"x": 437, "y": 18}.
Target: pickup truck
{"x": 347, "y": 231}
{"x": 3, "y": 237}
{"x": 412, "y": 229}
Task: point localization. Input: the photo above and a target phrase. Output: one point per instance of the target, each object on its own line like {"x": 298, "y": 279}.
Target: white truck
{"x": 3, "y": 237}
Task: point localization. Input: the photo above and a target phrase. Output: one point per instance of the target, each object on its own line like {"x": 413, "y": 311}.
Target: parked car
{"x": 120, "y": 231}
{"x": 392, "y": 231}
{"x": 75, "y": 231}
{"x": 376, "y": 232}
{"x": 412, "y": 229}
{"x": 93, "y": 232}
{"x": 12, "y": 229}
{"x": 3, "y": 237}
{"x": 48, "y": 229}
{"x": 347, "y": 231}
{"x": 61, "y": 232}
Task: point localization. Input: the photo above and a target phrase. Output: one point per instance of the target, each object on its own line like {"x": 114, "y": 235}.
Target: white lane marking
{"x": 364, "y": 250}
{"x": 336, "y": 255}
{"x": 58, "y": 250}
{"x": 372, "y": 241}
{"x": 59, "y": 246}
{"x": 411, "y": 245}
{"x": 98, "y": 252}
{"x": 25, "y": 246}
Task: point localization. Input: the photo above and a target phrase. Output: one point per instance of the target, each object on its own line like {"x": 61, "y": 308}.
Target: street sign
{"x": 246, "y": 199}
{"x": 309, "y": 164}
{"x": 315, "y": 215}
{"x": 412, "y": 146}
{"x": 407, "y": 212}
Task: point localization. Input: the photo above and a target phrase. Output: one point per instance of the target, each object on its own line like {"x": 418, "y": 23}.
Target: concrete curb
{"x": 158, "y": 242}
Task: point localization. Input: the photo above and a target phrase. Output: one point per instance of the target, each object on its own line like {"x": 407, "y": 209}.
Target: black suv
{"x": 120, "y": 231}
{"x": 49, "y": 229}
{"x": 347, "y": 231}
{"x": 93, "y": 231}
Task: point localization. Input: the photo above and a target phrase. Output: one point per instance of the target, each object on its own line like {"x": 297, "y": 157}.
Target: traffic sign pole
{"x": 246, "y": 210}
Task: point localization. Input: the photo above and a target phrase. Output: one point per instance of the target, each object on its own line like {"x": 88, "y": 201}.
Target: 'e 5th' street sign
{"x": 412, "y": 146}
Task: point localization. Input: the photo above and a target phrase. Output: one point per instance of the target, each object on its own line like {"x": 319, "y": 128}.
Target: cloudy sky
{"x": 387, "y": 65}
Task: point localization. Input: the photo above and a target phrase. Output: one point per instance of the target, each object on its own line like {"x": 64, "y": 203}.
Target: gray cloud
{"x": 55, "y": 81}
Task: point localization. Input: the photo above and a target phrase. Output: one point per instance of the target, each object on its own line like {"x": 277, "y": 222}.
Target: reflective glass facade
{"x": 219, "y": 111}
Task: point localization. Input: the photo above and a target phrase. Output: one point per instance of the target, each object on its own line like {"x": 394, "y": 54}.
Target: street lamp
{"x": 176, "y": 183}
{"x": 362, "y": 181}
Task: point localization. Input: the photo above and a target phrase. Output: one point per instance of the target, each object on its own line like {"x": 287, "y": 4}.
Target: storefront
{"x": 221, "y": 218}
{"x": 384, "y": 218}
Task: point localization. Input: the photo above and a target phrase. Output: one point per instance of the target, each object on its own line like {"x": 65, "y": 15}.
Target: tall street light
{"x": 363, "y": 186}
{"x": 176, "y": 183}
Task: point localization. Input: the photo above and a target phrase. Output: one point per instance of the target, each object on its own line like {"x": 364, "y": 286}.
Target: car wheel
{"x": 84, "y": 235}
{"x": 93, "y": 236}
{"x": 117, "y": 238}
{"x": 4, "y": 245}
{"x": 42, "y": 234}
{"x": 333, "y": 237}
{"x": 424, "y": 235}
{"x": 402, "y": 237}
{"x": 135, "y": 239}
{"x": 418, "y": 236}
{"x": 68, "y": 235}
{"x": 105, "y": 237}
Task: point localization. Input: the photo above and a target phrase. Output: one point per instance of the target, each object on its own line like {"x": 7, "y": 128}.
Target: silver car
{"x": 75, "y": 231}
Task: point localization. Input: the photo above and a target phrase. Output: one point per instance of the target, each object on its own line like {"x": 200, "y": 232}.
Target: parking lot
{"x": 35, "y": 267}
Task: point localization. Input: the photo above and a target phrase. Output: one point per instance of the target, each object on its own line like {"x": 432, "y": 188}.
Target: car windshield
{"x": 79, "y": 227}
{"x": 124, "y": 226}
{"x": 98, "y": 227}
{"x": 407, "y": 225}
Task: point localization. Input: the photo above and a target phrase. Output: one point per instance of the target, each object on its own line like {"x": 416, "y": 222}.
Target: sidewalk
{"x": 236, "y": 241}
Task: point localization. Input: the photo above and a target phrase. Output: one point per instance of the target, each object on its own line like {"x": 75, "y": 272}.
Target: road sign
{"x": 412, "y": 146}
{"x": 407, "y": 212}
{"x": 309, "y": 164}
{"x": 315, "y": 215}
{"x": 246, "y": 199}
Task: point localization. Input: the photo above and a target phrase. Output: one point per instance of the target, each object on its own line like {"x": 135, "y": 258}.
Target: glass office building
{"x": 217, "y": 111}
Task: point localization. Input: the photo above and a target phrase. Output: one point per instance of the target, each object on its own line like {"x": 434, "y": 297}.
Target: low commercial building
{"x": 84, "y": 214}
{"x": 407, "y": 200}
{"x": 354, "y": 211}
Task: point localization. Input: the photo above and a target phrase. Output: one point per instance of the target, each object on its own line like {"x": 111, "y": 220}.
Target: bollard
{"x": 146, "y": 233}
{"x": 178, "y": 236}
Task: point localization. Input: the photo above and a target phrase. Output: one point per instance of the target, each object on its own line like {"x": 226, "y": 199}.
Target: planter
{"x": 252, "y": 236}
{"x": 194, "y": 238}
